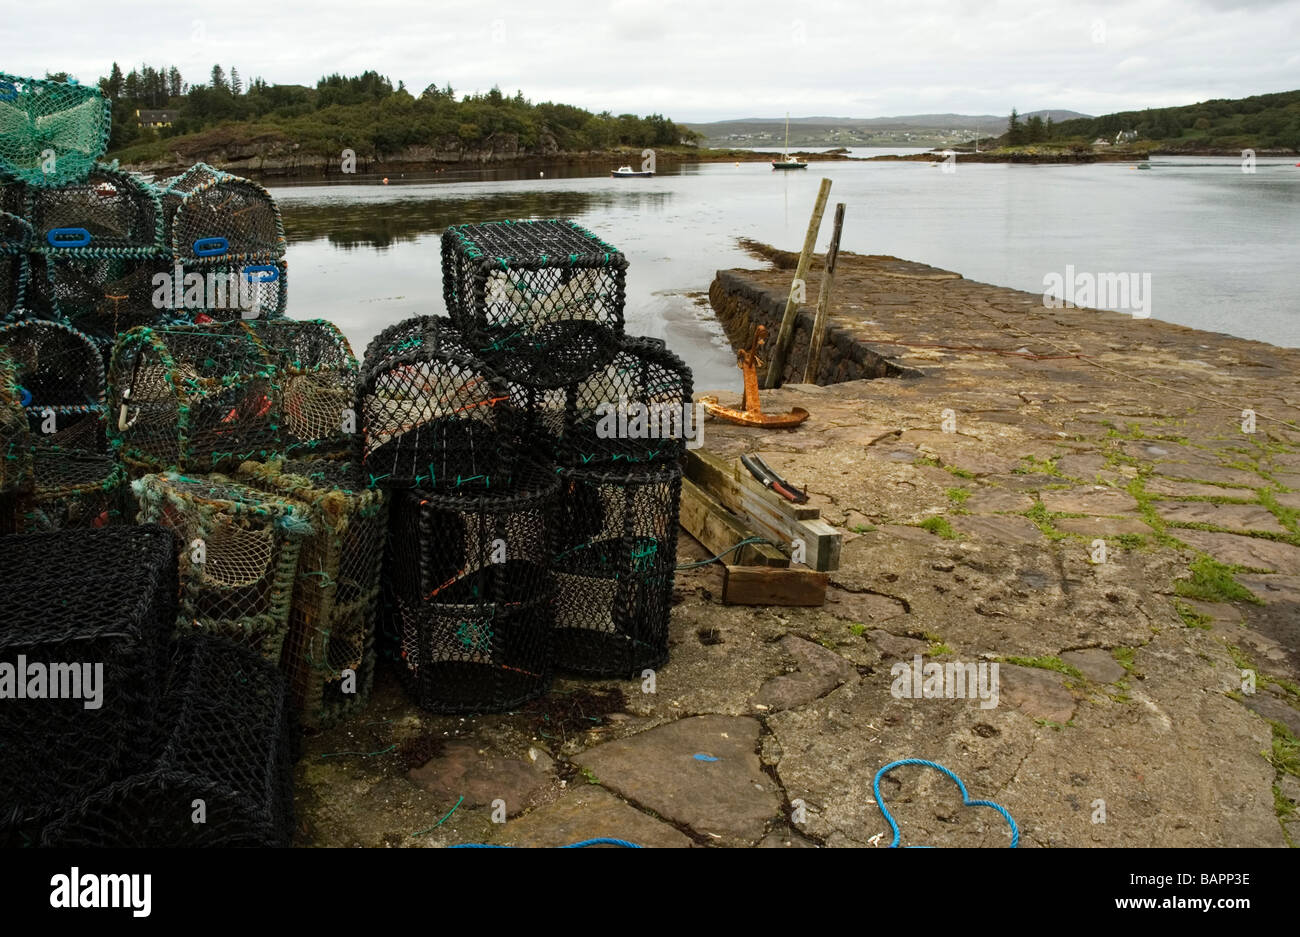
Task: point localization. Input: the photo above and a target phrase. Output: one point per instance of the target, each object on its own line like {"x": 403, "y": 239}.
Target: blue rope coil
{"x": 965, "y": 798}
{"x": 582, "y": 844}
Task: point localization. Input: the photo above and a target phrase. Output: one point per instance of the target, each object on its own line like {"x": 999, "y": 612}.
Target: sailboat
{"x": 787, "y": 161}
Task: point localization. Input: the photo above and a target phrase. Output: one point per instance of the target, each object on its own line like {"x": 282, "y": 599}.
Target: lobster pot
{"x": 431, "y": 415}
{"x": 471, "y": 595}
{"x": 107, "y": 214}
{"x": 60, "y": 375}
{"x": 51, "y": 132}
{"x": 226, "y": 292}
{"x": 214, "y": 217}
{"x": 74, "y": 490}
{"x": 105, "y": 296}
{"x": 225, "y": 736}
{"x": 630, "y": 412}
{"x": 614, "y": 564}
{"x": 329, "y": 653}
{"x": 15, "y": 239}
{"x": 196, "y": 398}
{"x": 238, "y": 555}
{"x": 541, "y": 301}
{"x": 86, "y": 615}
{"x": 15, "y": 438}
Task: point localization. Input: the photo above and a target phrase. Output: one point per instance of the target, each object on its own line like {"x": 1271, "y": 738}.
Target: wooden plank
{"x": 796, "y": 512}
{"x": 726, "y": 479}
{"x": 756, "y": 585}
{"x": 824, "y": 299}
{"x": 821, "y": 544}
{"x": 717, "y": 529}
{"x": 778, "y": 350}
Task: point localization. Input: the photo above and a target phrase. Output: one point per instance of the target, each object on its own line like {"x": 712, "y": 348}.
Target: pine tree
{"x": 219, "y": 78}
{"x": 236, "y": 85}
{"x": 1015, "y": 130}
{"x": 114, "y": 85}
{"x": 175, "y": 86}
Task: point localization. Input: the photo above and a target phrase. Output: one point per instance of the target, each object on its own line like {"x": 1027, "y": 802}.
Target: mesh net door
{"x": 431, "y": 415}
{"x": 219, "y": 218}
{"x": 60, "y": 376}
{"x": 223, "y": 735}
{"x": 74, "y": 490}
{"x": 471, "y": 596}
{"x": 51, "y": 132}
{"x": 541, "y": 301}
{"x": 614, "y": 564}
{"x": 336, "y": 592}
{"x": 238, "y": 554}
{"x": 114, "y": 614}
{"x": 108, "y": 214}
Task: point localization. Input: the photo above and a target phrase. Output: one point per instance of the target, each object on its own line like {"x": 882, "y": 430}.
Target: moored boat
{"x": 627, "y": 172}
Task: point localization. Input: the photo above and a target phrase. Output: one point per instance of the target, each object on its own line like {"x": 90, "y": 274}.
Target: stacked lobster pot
{"x": 468, "y": 592}
{"x": 226, "y": 243}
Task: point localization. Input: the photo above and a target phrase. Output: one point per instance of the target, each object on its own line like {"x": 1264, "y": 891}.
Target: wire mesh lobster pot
{"x": 470, "y": 593}
{"x": 336, "y": 594}
{"x": 60, "y": 377}
{"x": 103, "y": 599}
{"x": 73, "y": 490}
{"x": 541, "y": 301}
{"x": 238, "y": 555}
{"x": 15, "y": 239}
{"x": 214, "y": 217}
{"x": 614, "y": 563}
{"x": 105, "y": 296}
{"x": 633, "y": 411}
{"x": 214, "y": 396}
{"x": 51, "y": 132}
{"x": 431, "y": 415}
{"x": 227, "y": 292}
{"x": 224, "y": 743}
{"x": 107, "y": 214}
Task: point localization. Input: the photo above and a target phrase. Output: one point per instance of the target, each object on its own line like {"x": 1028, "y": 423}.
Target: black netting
{"x": 216, "y": 217}
{"x": 614, "y": 562}
{"x": 541, "y": 301}
{"x": 213, "y": 396}
{"x": 101, "y": 597}
{"x": 430, "y": 414}
{"x": 105, "y": 296}
{"x": 74, "y": 490}
{"x": 336, "y": 593}
{"x": 238, "y": 550}
{"x": 15, "y": 239}
{"x": 470, "y": 593}
{"x": 60, "y": 377}
{"x": 15, "y": 435}
{"x": 222, "y": 772}
{"x": 635, "y": 409}
{"x": 109, "y": 213}
{"x": 51, "y": 132}
{"x": 225, "y": 292}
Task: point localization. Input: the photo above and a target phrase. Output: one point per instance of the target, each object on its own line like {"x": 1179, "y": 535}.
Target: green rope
{"x": 442, "y": 821}
{"x": 714, "y": 559}
{"x": 382, "y": 751}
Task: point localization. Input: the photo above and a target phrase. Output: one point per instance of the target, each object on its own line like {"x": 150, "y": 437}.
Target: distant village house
{"x": 156, "y": 118}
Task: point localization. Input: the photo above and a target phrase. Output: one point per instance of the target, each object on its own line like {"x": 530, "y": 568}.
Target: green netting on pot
{"x": 336, "y": 594}
{"x": 614, "y": 564}
{"x": 238, "y": 549}
{"x": 15, "y": 239}
{"x": 51, "y": 132}
{"x": 218, "y": 218}
{"x": 430, "y": 414}
{"x": 632, "y": 411}
{"x": 224, "y": 744}
{"x": 15, "y": 435}
{"x": 106, "y": 598}
{"x": 60, "y": 376}
{"x": 212, "y": 396}
{"x": 74, "y": 490}
{"x": 541, "y": 301}
{"x": 109, "y": 214}
{"x": 470, "y": 593}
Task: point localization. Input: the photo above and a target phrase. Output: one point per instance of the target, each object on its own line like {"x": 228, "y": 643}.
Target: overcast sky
{"x": 696, "y": 60}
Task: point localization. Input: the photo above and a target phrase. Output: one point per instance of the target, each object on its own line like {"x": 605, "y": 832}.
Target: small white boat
{"x": 787, "y": 161}
{"x": 627, "y": 172}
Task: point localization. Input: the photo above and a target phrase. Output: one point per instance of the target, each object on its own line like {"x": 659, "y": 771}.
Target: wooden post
{"x": 776, "y": 363}
{"x": 824, "y": 299}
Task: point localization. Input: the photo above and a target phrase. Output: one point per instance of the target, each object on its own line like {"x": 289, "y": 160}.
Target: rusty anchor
{"x": 752, "y": 413}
